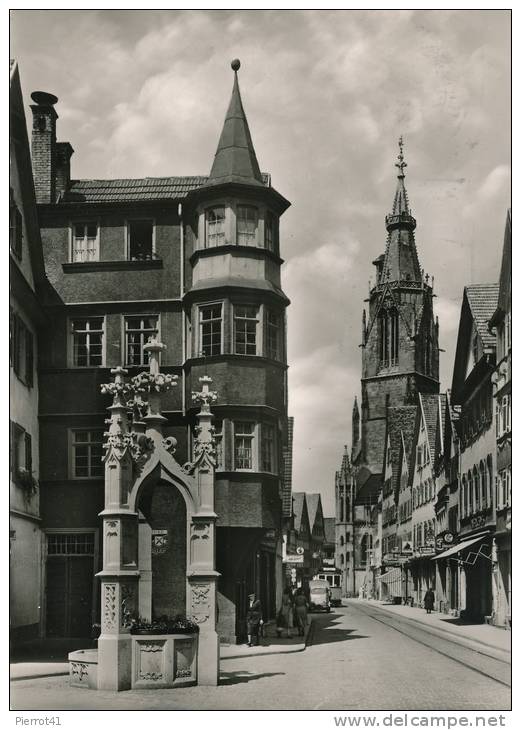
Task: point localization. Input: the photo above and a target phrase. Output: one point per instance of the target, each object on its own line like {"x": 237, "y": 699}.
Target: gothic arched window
{"x": 484, "y": 489}
{"x": 477, "y": 496}
{"x": 389, "y": 340}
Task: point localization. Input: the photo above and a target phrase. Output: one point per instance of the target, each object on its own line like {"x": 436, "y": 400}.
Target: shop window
{"x": 210, "y": 330}
{"x": 138, "y": 331}
{"x": 247, "y": 221}
{"x": 244, "y": 441}
{"x": 87, "y": 341}
{"x": 87, "y": 454}
{"x": 140, "y": 240}
{"x": 85, "y": 242}
{"x": 245, "y": 329}
{"x": 215, "y": 226}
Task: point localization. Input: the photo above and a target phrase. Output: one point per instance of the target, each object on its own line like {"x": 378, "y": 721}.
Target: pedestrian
{"x": 428, "y": 600}
{"x": 285, "y": 615}
{"x": 254, "y": 620}
{"x": 301, "y": 611}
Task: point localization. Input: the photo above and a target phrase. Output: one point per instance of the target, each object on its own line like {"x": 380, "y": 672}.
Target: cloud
{"x": 497, "y": 181}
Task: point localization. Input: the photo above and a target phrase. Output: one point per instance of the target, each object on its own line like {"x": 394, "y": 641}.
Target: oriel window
{"x": 87, "y": 342}
{"x": 247, "y": 219}
{"x": 85, "y": 242}
{"x": 210, "y": 330}
{"x": 273, "y": 331}
{"x": 268, "y": 448}
{"x": 218, "y": 437}
{"x": 244, "y": 435}
{"x": 87, "y": 453}
{"x": 245, "y": 320}
{"x": 138, "y": 331}
{"x": 215, "y": 233}
{"x": 269, "y": 231}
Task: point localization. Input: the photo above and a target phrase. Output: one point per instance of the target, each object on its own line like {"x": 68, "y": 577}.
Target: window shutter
{"x": 29, "y": 358}
{"x": 28, "y": 453}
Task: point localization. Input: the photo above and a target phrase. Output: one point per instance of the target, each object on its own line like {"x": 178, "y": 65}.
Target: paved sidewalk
{"x": 488, "y": 636}
{"x": 48, "y": 659}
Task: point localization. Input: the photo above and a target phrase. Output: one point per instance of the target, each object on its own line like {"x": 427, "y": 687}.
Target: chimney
{"x": 64, "y": 152}
{"x": 51, "y": 159}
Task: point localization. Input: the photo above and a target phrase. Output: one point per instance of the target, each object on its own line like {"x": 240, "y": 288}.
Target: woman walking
{"x": 428, "y": 600}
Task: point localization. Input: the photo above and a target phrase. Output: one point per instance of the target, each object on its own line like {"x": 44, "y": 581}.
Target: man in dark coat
{"x": 428, "y": 600}
{"x": 254, "y": 619}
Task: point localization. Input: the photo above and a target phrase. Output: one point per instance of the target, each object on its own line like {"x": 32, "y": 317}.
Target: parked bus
{"x": 334, "y": 578}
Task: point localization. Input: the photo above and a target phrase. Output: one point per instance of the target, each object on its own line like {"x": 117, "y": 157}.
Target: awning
{"x": 458, "y": 548}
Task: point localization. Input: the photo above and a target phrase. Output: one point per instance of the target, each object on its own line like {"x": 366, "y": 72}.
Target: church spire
{"x": 235, "y": 160}
{"x": 401, "y": 258}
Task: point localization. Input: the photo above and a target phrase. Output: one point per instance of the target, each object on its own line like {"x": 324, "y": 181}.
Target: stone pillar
{"x": 202, "y": 576}
{"x": 120, "y": 574}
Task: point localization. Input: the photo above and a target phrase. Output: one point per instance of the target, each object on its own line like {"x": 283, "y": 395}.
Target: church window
{"x": 388, "y": 338}
{"x": 394, "y": 341}
{"x": 215, "y": 233}
{"x": 384, "y": 341}
{"x": 247, "y": 219}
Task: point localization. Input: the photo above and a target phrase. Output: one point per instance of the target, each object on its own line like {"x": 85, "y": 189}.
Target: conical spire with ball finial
{"x": 235, "y": 160}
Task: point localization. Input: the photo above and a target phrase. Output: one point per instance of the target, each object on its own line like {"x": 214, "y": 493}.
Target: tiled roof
{"x": 482, "y": 299}
{"x": 135, "y": 190}
{"x": 329, "y": 529}
{"x": 313, "y": 500}
{"x": 298, "y": 507}
{"x": 430, "y": 404}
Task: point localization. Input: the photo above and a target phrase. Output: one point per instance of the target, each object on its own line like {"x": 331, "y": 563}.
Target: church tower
{"x": 399, "y": 335}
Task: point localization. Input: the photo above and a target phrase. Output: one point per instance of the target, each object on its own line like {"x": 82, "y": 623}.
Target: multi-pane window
{"x": 15, "y": 230}
{"x": 218, "y": 437}
{"x": 76, "y": 543}
{"x": 247, "y": 218}
{"x": 503, "y": 490}
{"x": 215, "y": 231}
{"x": 141, "y": 240}
{"x": 273, "y": 331}
{"x": 87, "y": 342}
{"x": 244, "y": 437}
{"x": 87, "y": 453}
{"x": 246, "y": 319}
{"x": 268, "y": 448}
{"x": 85, "y": 242}
{"x": 210, "y": 330}
{"x": 269, "y": 231}
{"x": 138, "y": 331}
{"x": 21, "y": 349}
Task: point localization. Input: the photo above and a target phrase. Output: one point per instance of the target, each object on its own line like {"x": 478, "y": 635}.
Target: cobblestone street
{"x": 352, "y": 662}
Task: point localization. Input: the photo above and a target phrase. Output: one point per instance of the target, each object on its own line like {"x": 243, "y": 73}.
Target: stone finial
{"x": 205, "y": 396}
{"x": 154, "y": 347}
{"x": 401, "y": 164}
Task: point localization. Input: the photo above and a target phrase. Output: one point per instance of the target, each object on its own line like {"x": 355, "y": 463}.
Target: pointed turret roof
{"x": 235, "y": 160}
{"x": 401, "y": 258}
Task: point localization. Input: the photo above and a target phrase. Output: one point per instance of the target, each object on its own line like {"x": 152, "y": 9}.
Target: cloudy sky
{"x": 327, "y": 94}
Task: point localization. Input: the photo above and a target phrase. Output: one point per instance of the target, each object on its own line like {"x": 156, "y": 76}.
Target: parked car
{"x": 319, "y": 596}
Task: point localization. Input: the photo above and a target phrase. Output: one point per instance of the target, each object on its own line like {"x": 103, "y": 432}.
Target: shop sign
{"x": 294, "y": 559}
{"x": 425, "y": 551}
{"x": 444, "y": 540}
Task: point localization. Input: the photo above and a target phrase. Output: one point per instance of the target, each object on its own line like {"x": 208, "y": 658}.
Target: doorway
{"x": 69, "y": 584}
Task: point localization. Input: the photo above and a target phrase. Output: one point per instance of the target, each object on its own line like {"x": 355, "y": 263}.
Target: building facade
{"x": 501, "y": 324}
{"x": 195, "y": 260}
{"x": 27, "y": 321}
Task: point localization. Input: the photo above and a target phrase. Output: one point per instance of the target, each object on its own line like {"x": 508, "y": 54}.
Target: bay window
{"x": 243, "y": 446}
{"x": 268, "y": 454}
{"x": 247, "y": 221}
{"x": 210, "y": 330}
{"x": 245, "y": 329}
{"x": 273, "y": 332}
{"x": 215, "y": 232}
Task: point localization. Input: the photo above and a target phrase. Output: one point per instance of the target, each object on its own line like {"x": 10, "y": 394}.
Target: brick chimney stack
{"x": 51, "y": 159}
